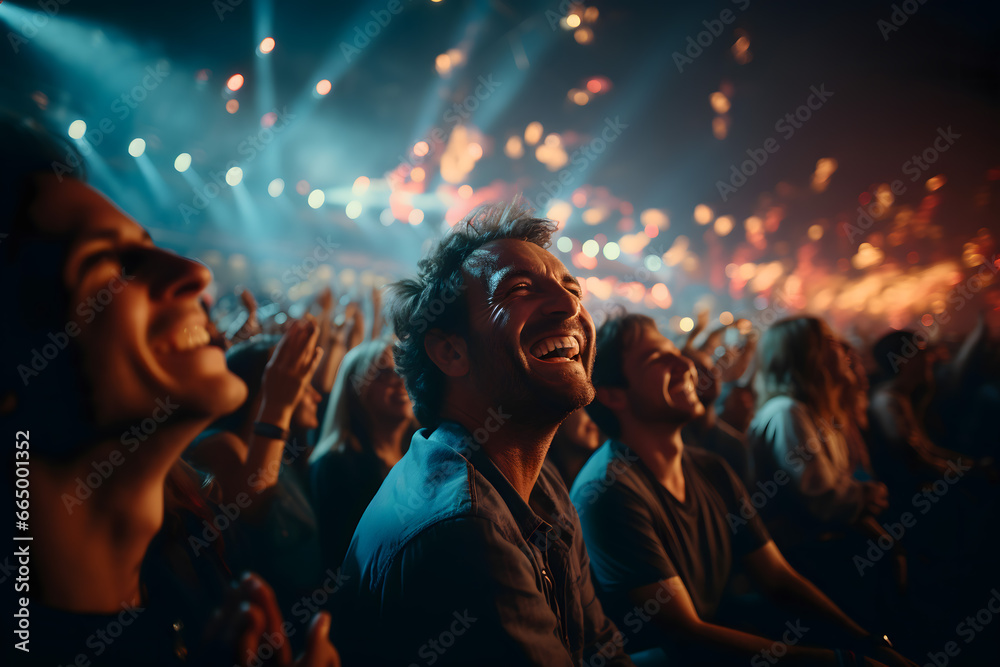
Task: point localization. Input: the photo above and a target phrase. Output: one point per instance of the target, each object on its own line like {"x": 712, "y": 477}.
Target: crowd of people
{"x": 486, "y": 477}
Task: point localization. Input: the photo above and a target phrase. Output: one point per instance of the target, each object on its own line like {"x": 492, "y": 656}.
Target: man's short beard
{"x": 530, "y": 404}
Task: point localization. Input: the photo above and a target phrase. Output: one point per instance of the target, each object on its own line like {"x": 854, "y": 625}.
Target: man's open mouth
{"x": 558, "y": 349}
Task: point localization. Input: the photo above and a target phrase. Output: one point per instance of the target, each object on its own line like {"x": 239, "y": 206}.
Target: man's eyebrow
{"x": 508, "y": 273}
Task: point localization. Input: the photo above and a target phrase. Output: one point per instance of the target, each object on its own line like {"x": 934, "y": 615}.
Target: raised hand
{"x": 289, "y": 371}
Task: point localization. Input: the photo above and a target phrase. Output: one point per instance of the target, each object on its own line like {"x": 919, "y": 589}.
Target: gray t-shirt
{"x": 637, "y": 533}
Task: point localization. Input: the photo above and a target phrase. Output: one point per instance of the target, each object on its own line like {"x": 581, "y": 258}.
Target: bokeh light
{"x": 316, "y": 198}
{"x": 182, "y": 162}
{"x": 77, "y": 129}
{"x": 137, "y": 147}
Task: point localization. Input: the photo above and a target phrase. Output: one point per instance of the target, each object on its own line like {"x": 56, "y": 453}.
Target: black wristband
{"x": 270, "y": 431}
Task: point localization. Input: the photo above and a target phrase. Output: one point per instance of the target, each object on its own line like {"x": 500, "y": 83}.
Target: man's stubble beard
{"x": 530, "y": 403}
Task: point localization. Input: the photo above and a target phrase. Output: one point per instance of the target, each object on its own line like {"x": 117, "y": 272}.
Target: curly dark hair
{"x": 435, "y": 297}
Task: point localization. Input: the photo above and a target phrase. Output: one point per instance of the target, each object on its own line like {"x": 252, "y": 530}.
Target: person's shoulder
{"x": 779, "y": 404}
{"x": 776, "y": 410}
{"x": 430, "y": 484}
{"x": 709, "y": 465}
{"x": 340, "y": 459}
{"x": 612, "y": 468}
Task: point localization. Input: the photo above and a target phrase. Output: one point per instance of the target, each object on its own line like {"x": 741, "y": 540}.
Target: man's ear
{"x": 613, "y": 398}
{"x": 448, "y": 352}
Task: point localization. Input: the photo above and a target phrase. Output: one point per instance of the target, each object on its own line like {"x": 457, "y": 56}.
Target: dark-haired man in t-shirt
{"x": 667, "y": 526}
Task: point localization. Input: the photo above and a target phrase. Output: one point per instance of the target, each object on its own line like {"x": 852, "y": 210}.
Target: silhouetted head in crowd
{"x": 903, "y": 356}
{"x": 641, "y": 377}
{"x": 366, "y": 392}
{"x": 736, "y": 405}
{"x": 574, "y": 442}
{"x": 799, "y": 357}
{"x": 579, "y": 432}
{"x": 101, "y": 323}
{"x": 493, "y": 320}
{"x": 709, "y": 384}
{"x": 248, "y": 361}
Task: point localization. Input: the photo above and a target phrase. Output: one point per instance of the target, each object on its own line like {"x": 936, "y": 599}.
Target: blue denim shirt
{"x": 450, "y": 566}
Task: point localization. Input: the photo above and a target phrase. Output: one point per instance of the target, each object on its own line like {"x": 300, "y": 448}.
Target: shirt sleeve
{"x": 625, "y": 552}
{"x": 798, "y": 449}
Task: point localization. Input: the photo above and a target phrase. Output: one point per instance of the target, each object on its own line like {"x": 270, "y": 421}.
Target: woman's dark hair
{"x": 29, "y": 149}
{"x": 616, "y": 333}
{"x": 435, "y": 299}
{"x": 791, "y": 361}
{"x": 39, "y": 364}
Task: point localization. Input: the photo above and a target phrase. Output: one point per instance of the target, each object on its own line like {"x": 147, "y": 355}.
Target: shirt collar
{"x": 524, "y": 514}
